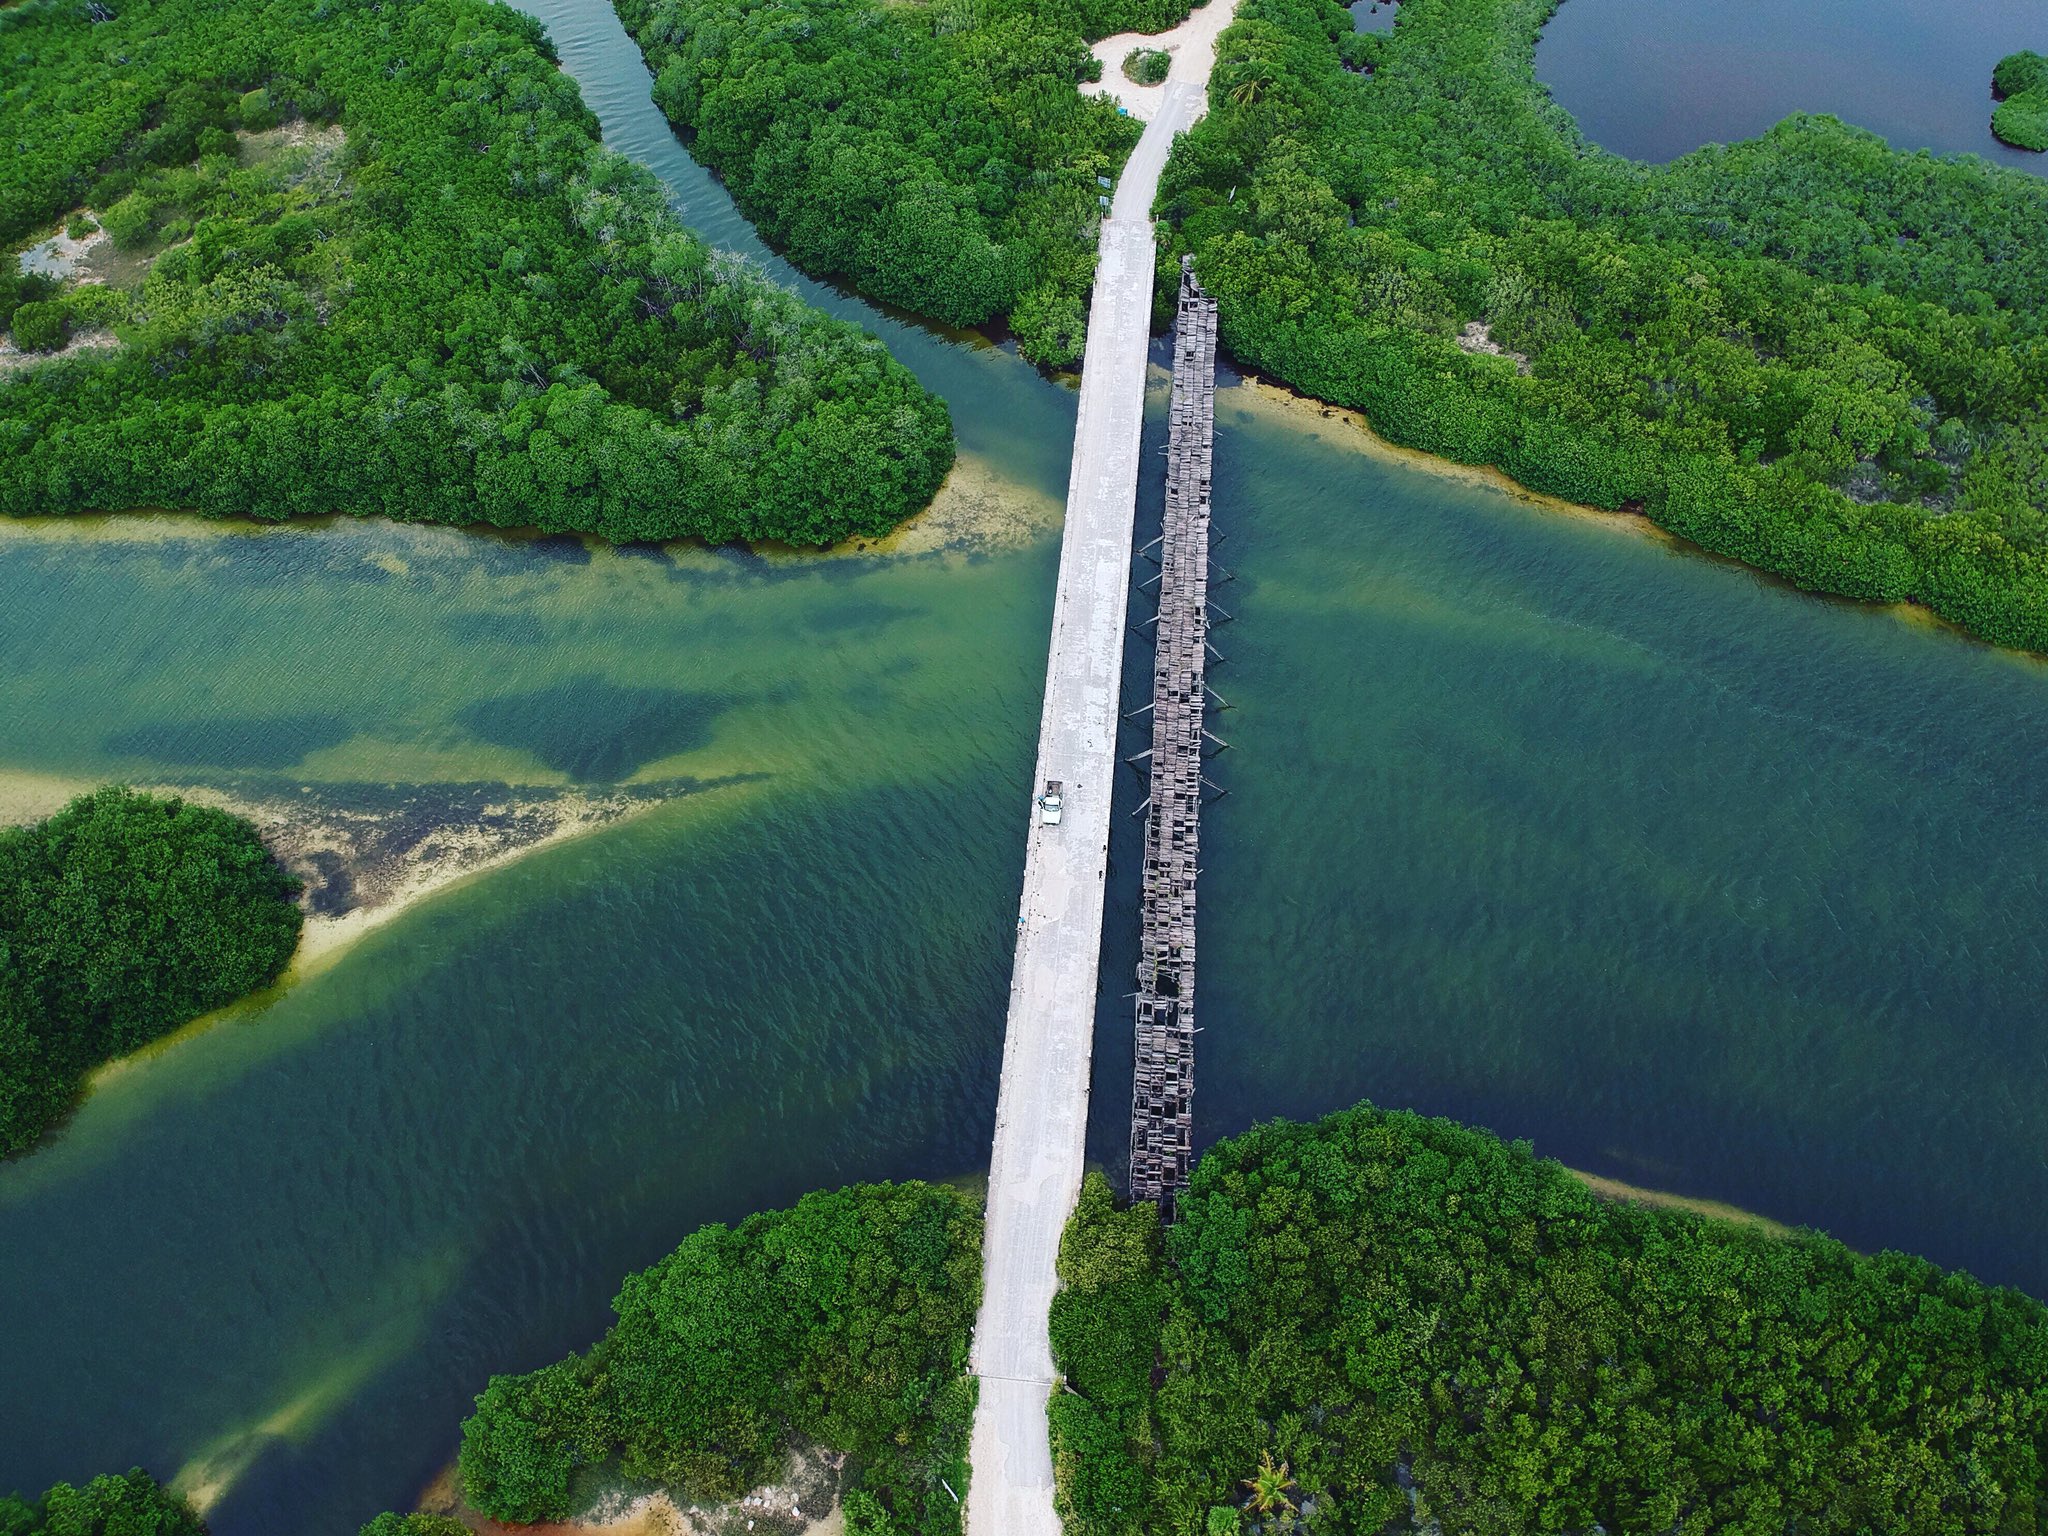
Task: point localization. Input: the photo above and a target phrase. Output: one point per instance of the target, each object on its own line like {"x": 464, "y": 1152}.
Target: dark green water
{"x": 1654, "y": 79}
{"x": 1534, "y": 820}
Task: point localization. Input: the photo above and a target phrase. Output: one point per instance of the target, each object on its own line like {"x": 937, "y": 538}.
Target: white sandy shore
{"x": 977, "y": 509}
{"x": 1263, "y": 396}
{"x": 1192, "y": 44}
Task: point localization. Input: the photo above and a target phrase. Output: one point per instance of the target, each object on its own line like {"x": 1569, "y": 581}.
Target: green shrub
{"x": 530, "y": 1434}
{"x": 1051, "y": 324}
{"x": 1147, "y": 66}
{"x": 2022, "y": 120}
{"x": 43, "y": 325}
{"x": 414, "y": 1525}
{"x": 79, "y": 225}
{"x": 255, "y": 110}
{"x": 95, "y": 305}
{"x": 2018, "y": 73}
{"x": 130, "y": 221}
{"x": 122, "y": 917}
{"x": 865, "y": 1515}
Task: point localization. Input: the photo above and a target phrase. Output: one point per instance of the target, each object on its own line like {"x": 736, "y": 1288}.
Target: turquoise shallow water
{"x": 1534, "y": 819}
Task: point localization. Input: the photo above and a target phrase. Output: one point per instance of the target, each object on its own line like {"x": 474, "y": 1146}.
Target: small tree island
{"x": 2020, "y": 82}
{"x": 122, "y": 917}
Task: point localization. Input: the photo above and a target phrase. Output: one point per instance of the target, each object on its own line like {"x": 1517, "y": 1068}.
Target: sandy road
{"x": 1042, "y": 1113}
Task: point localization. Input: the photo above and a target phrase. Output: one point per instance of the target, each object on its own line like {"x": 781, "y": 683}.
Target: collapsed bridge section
{"x": 1163, "y": 1084}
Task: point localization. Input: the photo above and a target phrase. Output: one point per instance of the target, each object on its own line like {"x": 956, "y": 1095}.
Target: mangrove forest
{"x": 1371, "y": 1323}
{"x": 938, "y": 157}
{"x": 373, "y": 259}
{"x": 1810, "y": 352}
{"x": 1382, "y": 1319}
{"x": 841, "y": 1322}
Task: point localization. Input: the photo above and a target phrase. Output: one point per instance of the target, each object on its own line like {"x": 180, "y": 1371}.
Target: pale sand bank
{"x": 977, "y": 510}
{"x": 1264, "y": 397}
{"x": 1261, "y": 396}
{"x": 364, "y": 869}
{"x": 1715, "y": 1210}
{"x": 804, "y": 1503}
{"x": 367, "y": 854}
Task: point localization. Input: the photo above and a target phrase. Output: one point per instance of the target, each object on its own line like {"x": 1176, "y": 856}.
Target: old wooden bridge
{"x": 1163, "y": 1084}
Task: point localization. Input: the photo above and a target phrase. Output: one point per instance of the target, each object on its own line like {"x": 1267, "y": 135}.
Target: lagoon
{"x": 1537, "y": 819}
{"x": 1655, "y": 79}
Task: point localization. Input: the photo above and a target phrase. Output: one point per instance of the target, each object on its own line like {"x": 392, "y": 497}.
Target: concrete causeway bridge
{"x": 1042, "y": 1111}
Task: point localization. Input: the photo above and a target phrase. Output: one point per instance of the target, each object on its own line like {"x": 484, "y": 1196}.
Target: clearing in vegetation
{"x": 377, "y": 262}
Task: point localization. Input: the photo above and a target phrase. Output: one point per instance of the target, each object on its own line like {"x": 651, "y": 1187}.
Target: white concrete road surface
{"x": 1042, "y": 1113}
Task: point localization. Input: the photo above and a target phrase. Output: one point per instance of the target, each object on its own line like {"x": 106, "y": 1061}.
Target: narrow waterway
{"x": 1534, "y": 819}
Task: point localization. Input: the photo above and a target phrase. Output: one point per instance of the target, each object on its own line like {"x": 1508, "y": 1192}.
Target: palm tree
{"x": 1249, "y": 90}
{"x": 1269, "y": 1486}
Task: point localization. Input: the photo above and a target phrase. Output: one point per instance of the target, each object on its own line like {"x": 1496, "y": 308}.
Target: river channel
{"x": 1536, "y": 819}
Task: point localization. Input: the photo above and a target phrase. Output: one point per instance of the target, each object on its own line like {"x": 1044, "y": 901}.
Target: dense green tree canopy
{"x": 2018, "y": 73}
{"x": 113, "y": 1504}
{"x": 372, "y": 258}
{"x": 122, "y": 917}
{"x": 938, "y": 155}
{"x": 1381, "y": 1316}
{"x": 842, "y": 1322}
{"x": 1809, "y": 351}
{"x": 1356, "y": 1324}
{"x": 2021, "y": 116}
